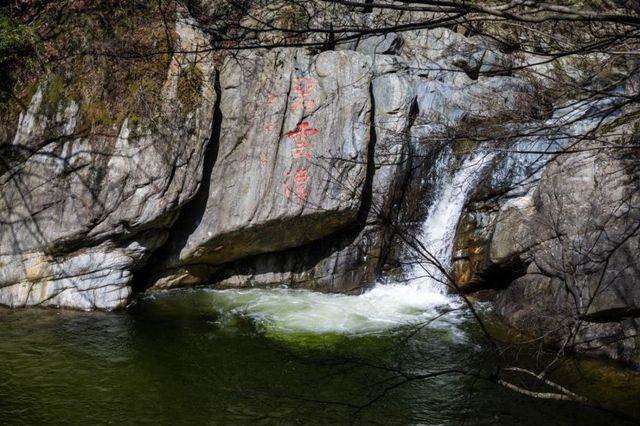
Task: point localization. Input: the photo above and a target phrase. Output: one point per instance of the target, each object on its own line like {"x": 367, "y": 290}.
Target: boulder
{"x": 579, "y": 233}
{"x": 356, "y": 159}
{"x": 291, "y": 159}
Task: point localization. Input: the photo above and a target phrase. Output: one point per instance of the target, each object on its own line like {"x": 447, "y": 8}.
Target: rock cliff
{"x": 304, "y": 166}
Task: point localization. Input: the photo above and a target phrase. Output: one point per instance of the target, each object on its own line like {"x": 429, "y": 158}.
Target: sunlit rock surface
{"x": 81, "y": 212}
{"x": 291, "y": 160}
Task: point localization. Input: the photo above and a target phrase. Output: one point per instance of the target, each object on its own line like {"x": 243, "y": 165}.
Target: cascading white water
{"x": 452, "y": 190}
{"x": 386, "y": 306}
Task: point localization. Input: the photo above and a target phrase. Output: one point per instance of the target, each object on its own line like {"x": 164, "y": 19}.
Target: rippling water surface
{"x": 265, "y": 357}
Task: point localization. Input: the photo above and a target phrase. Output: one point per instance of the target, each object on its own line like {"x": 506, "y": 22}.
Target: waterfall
{"x": 452, "y": 189}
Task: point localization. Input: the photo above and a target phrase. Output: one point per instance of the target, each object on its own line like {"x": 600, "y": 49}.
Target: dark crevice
{"x": 367, "y": 190}
{"x": 191, "y": 212}
{"x": 390, "y": 219}
{"x": 497, "y": 276}
{"x": 330, "y": 43}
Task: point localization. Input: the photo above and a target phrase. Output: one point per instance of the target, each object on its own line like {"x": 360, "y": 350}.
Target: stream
{"x": 264, "y": 357}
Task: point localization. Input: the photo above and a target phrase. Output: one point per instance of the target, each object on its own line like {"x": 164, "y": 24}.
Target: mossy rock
{"x": 190, "y": 84}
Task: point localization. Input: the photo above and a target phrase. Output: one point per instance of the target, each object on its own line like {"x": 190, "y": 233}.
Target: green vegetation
{"x": 55, "y": 90}
{"x": 16, "y": 40}
{"x": 110, "y": 59}
{"x": 18, "y": 45}
{"x": 189, "y": 87}
{"x": 292, "y": 17}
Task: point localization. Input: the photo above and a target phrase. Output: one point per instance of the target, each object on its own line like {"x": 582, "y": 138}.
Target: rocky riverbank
{"x": 309, "y": 166}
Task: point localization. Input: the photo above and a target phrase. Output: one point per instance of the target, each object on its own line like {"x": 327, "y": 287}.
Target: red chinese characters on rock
{"x": 303, "y": 88}
{"x": 300, "y": 136}
{"x": 297, "y": 183}
{"x": 300, "y": 181}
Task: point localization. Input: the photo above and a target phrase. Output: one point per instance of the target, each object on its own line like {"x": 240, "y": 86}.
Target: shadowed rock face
{"x": 583, "y": 247}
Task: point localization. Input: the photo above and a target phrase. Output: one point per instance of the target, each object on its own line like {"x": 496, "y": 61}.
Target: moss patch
{"x": 18, "y": 45}
{"x": 189, "y": 88}
{"x": 110, "y": 57}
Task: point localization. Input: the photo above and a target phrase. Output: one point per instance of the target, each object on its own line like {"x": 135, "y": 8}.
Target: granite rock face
{"x": 289, "y": 168}
{"x": 349, "y": 260}
{"x": 562, "y": 251}
{"x": 583, "y": 242}
{"x": 292, "y": 155}
{"x": 313, "y": 162}
{"x": 83, "y": 210}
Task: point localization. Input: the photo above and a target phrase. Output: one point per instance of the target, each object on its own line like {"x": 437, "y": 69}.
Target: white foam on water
{"x": 382, "y": 308}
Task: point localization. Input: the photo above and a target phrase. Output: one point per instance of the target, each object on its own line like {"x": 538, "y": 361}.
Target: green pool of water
{"x": 224, "y": 358}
